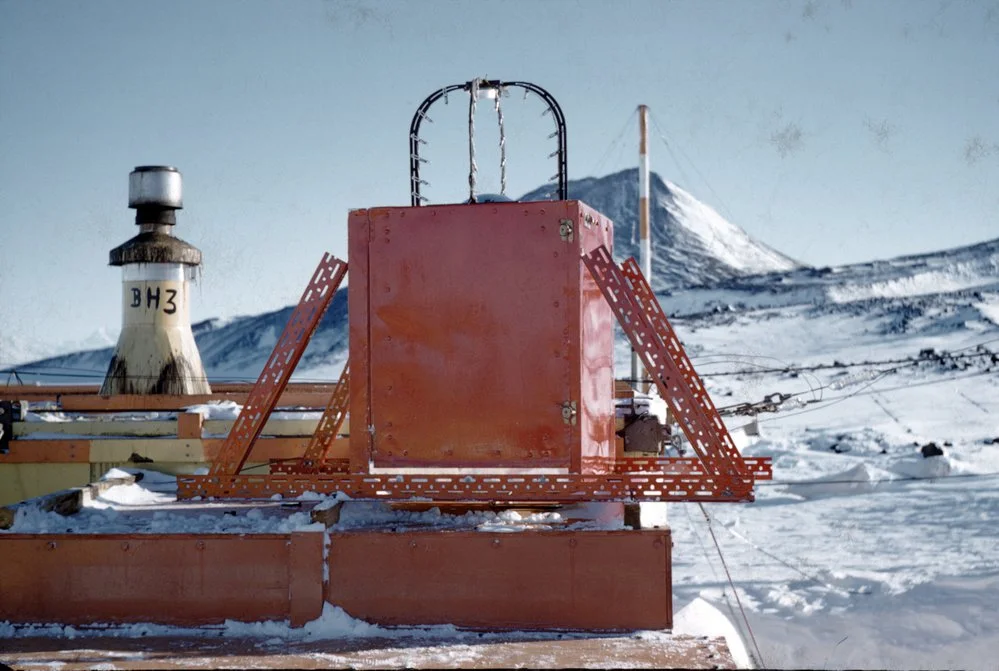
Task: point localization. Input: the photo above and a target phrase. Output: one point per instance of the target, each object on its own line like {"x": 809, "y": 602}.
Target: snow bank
{"x": 700, "y": 618}
{"x": 860, "y": 479}
{"x": 216, "y": 410}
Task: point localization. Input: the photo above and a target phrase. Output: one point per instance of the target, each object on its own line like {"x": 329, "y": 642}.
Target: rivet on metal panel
{"x": 200, "y": 545}
{"x": 658, "y": 542}
{"x": 496, "y": 542}
{"x": 573, "y": 542}
{"x": 565, "y": 230}
{"x": 412, "y": 544}
{"x": 51, "y": 545}
{"x": 124, "y": 547}
{"x": 588, "y": 220}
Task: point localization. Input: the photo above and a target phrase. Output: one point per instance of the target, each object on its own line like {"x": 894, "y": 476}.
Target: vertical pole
{"x": 645, "y": 239}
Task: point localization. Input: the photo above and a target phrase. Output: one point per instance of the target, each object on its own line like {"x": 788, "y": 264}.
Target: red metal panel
{"x": 182, "y": 579}
{"x": 358, "y": 238}
{"x": 471, "y": 345}
{"x": 305, "y": 584}
{"x": 596, "y": 345}
{"x": 595, "y": 580}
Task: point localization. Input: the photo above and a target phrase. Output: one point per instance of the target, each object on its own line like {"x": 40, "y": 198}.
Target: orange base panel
{"x": 588, "y": 580}
{"x": 175, "y": 579}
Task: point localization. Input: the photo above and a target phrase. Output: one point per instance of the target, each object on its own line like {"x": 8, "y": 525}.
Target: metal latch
{"x": 569, "y": 413}
{"x": 565, "y": 230}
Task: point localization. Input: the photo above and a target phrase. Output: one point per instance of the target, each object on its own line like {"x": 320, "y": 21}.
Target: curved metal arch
{"x": 415, "y": 182}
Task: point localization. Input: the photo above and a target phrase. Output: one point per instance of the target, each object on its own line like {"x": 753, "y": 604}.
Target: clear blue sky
{"x": 834, "y": 130}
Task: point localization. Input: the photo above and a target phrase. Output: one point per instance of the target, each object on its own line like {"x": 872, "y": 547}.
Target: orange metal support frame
{"x": 278, "y": 369}
{"x": 329, "y": 425}
{"x": 720, "y": 473}
{"x": 645, "y": 323}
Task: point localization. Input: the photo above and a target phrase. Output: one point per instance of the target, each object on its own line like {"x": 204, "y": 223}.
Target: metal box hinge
{"x": 569, "y": 413}
{"x": 566, "y": 230}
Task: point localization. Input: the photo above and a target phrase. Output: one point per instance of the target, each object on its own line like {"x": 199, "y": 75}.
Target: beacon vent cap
{"x": 155, "y": 186}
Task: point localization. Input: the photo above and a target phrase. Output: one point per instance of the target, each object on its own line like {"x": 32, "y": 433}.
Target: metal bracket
{"x": 569, "y": 413}
{"x": 566, "y": 230}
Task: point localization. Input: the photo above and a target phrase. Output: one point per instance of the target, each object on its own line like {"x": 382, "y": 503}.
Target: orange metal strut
{"x": 279, "y": 367}
{"x": 329, "y": 425}
{"x": 643, "y": 320}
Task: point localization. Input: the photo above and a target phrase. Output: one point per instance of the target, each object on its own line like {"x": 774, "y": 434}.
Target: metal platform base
{"x": 463, "y": 651}
{"x": 588, "y": 580}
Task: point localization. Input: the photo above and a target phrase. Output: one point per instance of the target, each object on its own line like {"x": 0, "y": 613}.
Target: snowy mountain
{"x": 709, "y": 279}
{"x": 691, "y": 243}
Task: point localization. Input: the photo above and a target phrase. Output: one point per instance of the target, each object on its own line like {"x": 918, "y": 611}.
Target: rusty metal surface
{"x": 462, "y": 650}
{"x": 182, "y": 579}
{"x": 597, "y": 580}
{"x": 471, "y": 348}
{"x": 329, "y": 425}
{"x": 279, "y": 367}
{"x": 566, "y": 488}
{"x": 466, "y": 336}
{"x": 594, "y": 321}
{"x": 359, "y": 232}
{"x": 643, "y": 321}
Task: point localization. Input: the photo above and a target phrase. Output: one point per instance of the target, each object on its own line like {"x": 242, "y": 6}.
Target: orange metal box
{"x": 478, "y": 338}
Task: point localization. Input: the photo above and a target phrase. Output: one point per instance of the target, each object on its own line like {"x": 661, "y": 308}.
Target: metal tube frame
{"x": 415, "y": 181}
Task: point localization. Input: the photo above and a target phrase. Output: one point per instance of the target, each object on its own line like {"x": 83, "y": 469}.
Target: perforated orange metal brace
{"x": 279, "y": 367}
{"x": 761, "y": 468}
{"x": 644, "y": 322}
{"x": 557, "y": 488}
{"x": 329, "y": 425}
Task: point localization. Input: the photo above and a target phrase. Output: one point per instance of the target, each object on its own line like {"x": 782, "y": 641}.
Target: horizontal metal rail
{"x": 761, "y": 468}
{"x": 563, "y": 488}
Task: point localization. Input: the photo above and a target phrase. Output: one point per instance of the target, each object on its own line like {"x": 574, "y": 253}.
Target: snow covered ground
{"x": 861, "y": 553}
